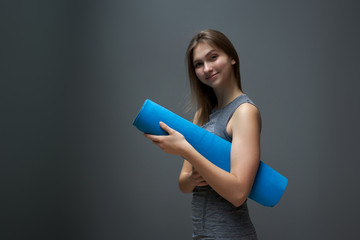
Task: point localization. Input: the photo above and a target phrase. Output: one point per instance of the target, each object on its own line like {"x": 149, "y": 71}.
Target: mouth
{"x": 211, "y": 76}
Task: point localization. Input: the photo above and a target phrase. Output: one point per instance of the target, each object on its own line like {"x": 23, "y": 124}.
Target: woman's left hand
{"x": 174, "y": 143}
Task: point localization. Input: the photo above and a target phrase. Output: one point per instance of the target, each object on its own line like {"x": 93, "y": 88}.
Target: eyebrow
{"x": 209, "y": 53}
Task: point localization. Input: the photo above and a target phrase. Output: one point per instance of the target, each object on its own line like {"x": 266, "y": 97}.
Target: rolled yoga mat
{"x": 268, "y": 186}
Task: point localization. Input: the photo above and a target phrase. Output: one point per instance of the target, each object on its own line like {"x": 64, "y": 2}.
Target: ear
{"x": 233, "y": 61}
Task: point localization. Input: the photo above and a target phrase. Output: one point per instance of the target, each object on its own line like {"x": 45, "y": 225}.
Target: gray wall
{"x": 74, "y": 75}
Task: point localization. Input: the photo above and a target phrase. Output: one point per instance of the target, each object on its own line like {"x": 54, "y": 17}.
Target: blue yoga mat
{"x": 268, "y": 186}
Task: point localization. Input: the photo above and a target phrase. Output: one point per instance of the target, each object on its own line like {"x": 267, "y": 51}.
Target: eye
{"x": 198, "y": 64}
{"x": 213, "y": 57}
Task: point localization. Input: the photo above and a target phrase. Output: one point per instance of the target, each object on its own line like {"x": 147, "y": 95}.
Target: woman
{"x": 219, "y": 197}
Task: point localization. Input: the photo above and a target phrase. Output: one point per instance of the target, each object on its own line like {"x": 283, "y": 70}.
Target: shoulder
{"x": 246, "y": 110}
{"x": 245, "y": 117}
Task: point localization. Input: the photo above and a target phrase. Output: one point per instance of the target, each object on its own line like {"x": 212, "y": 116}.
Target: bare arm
{"x": 245, "y": 156}
{"x": 190, "y": 178}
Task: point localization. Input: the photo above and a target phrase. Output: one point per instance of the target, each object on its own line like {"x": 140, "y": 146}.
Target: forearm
{"x": 228, "y": 185}
{"x": 186, "y": 185}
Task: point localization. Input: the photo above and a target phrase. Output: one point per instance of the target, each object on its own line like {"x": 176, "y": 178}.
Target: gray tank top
{"x": 220, "y": 117}
{"x": 213, "y": 217}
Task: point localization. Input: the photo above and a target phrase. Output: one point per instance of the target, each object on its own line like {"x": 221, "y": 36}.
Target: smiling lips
{"x": 211, "y": 76}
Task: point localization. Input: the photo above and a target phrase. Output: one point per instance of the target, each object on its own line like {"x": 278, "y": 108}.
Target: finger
{"x": 166, "y": 127}
{"x": 202, "y": 184}
{"x": 195, "y": 174}
{"x": 194, "y": 169}
{"x": 153, "y": 138}
{"x": 198, "y": 179}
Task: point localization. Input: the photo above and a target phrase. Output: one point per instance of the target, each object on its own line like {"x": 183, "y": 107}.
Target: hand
{"x": 174, "y": 143}
{"x": 197, "y": 179}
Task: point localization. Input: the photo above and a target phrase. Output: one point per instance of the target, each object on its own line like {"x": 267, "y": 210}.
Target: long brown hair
{"x": 202, "y": 95}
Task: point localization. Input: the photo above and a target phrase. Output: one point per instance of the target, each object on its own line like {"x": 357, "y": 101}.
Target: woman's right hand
{"x": 197, "y": 179}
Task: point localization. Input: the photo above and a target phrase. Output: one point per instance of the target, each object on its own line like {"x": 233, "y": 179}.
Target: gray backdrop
{"x": 74, "y": 75}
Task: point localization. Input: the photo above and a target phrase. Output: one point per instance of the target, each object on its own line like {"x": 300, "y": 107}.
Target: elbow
{"x": 185, "y": 189}
{"x": 182, "y": 189}
{"x": 238, "y": 202}
{"x": 239, "y": 199}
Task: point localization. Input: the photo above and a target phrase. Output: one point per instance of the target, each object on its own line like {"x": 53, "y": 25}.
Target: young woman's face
{"x": 213, "y": 66}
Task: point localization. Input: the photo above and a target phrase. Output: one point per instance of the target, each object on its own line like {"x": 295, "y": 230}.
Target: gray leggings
{"x": 213, "y": 217}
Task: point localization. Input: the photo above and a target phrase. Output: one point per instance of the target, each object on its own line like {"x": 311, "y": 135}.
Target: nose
{"x": 207, "y": 67}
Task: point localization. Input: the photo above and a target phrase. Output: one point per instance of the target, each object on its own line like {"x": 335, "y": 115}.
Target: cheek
{"x": 198, "y": 73}
{"x": 221, "y": 64}
{"x": 224, "y": 66}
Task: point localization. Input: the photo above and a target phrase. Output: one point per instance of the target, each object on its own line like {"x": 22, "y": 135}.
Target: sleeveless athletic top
{"x": 213, "y": 217}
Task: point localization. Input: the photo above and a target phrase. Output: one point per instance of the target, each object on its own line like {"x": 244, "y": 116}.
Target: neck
{"x": 227, "y": 94}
